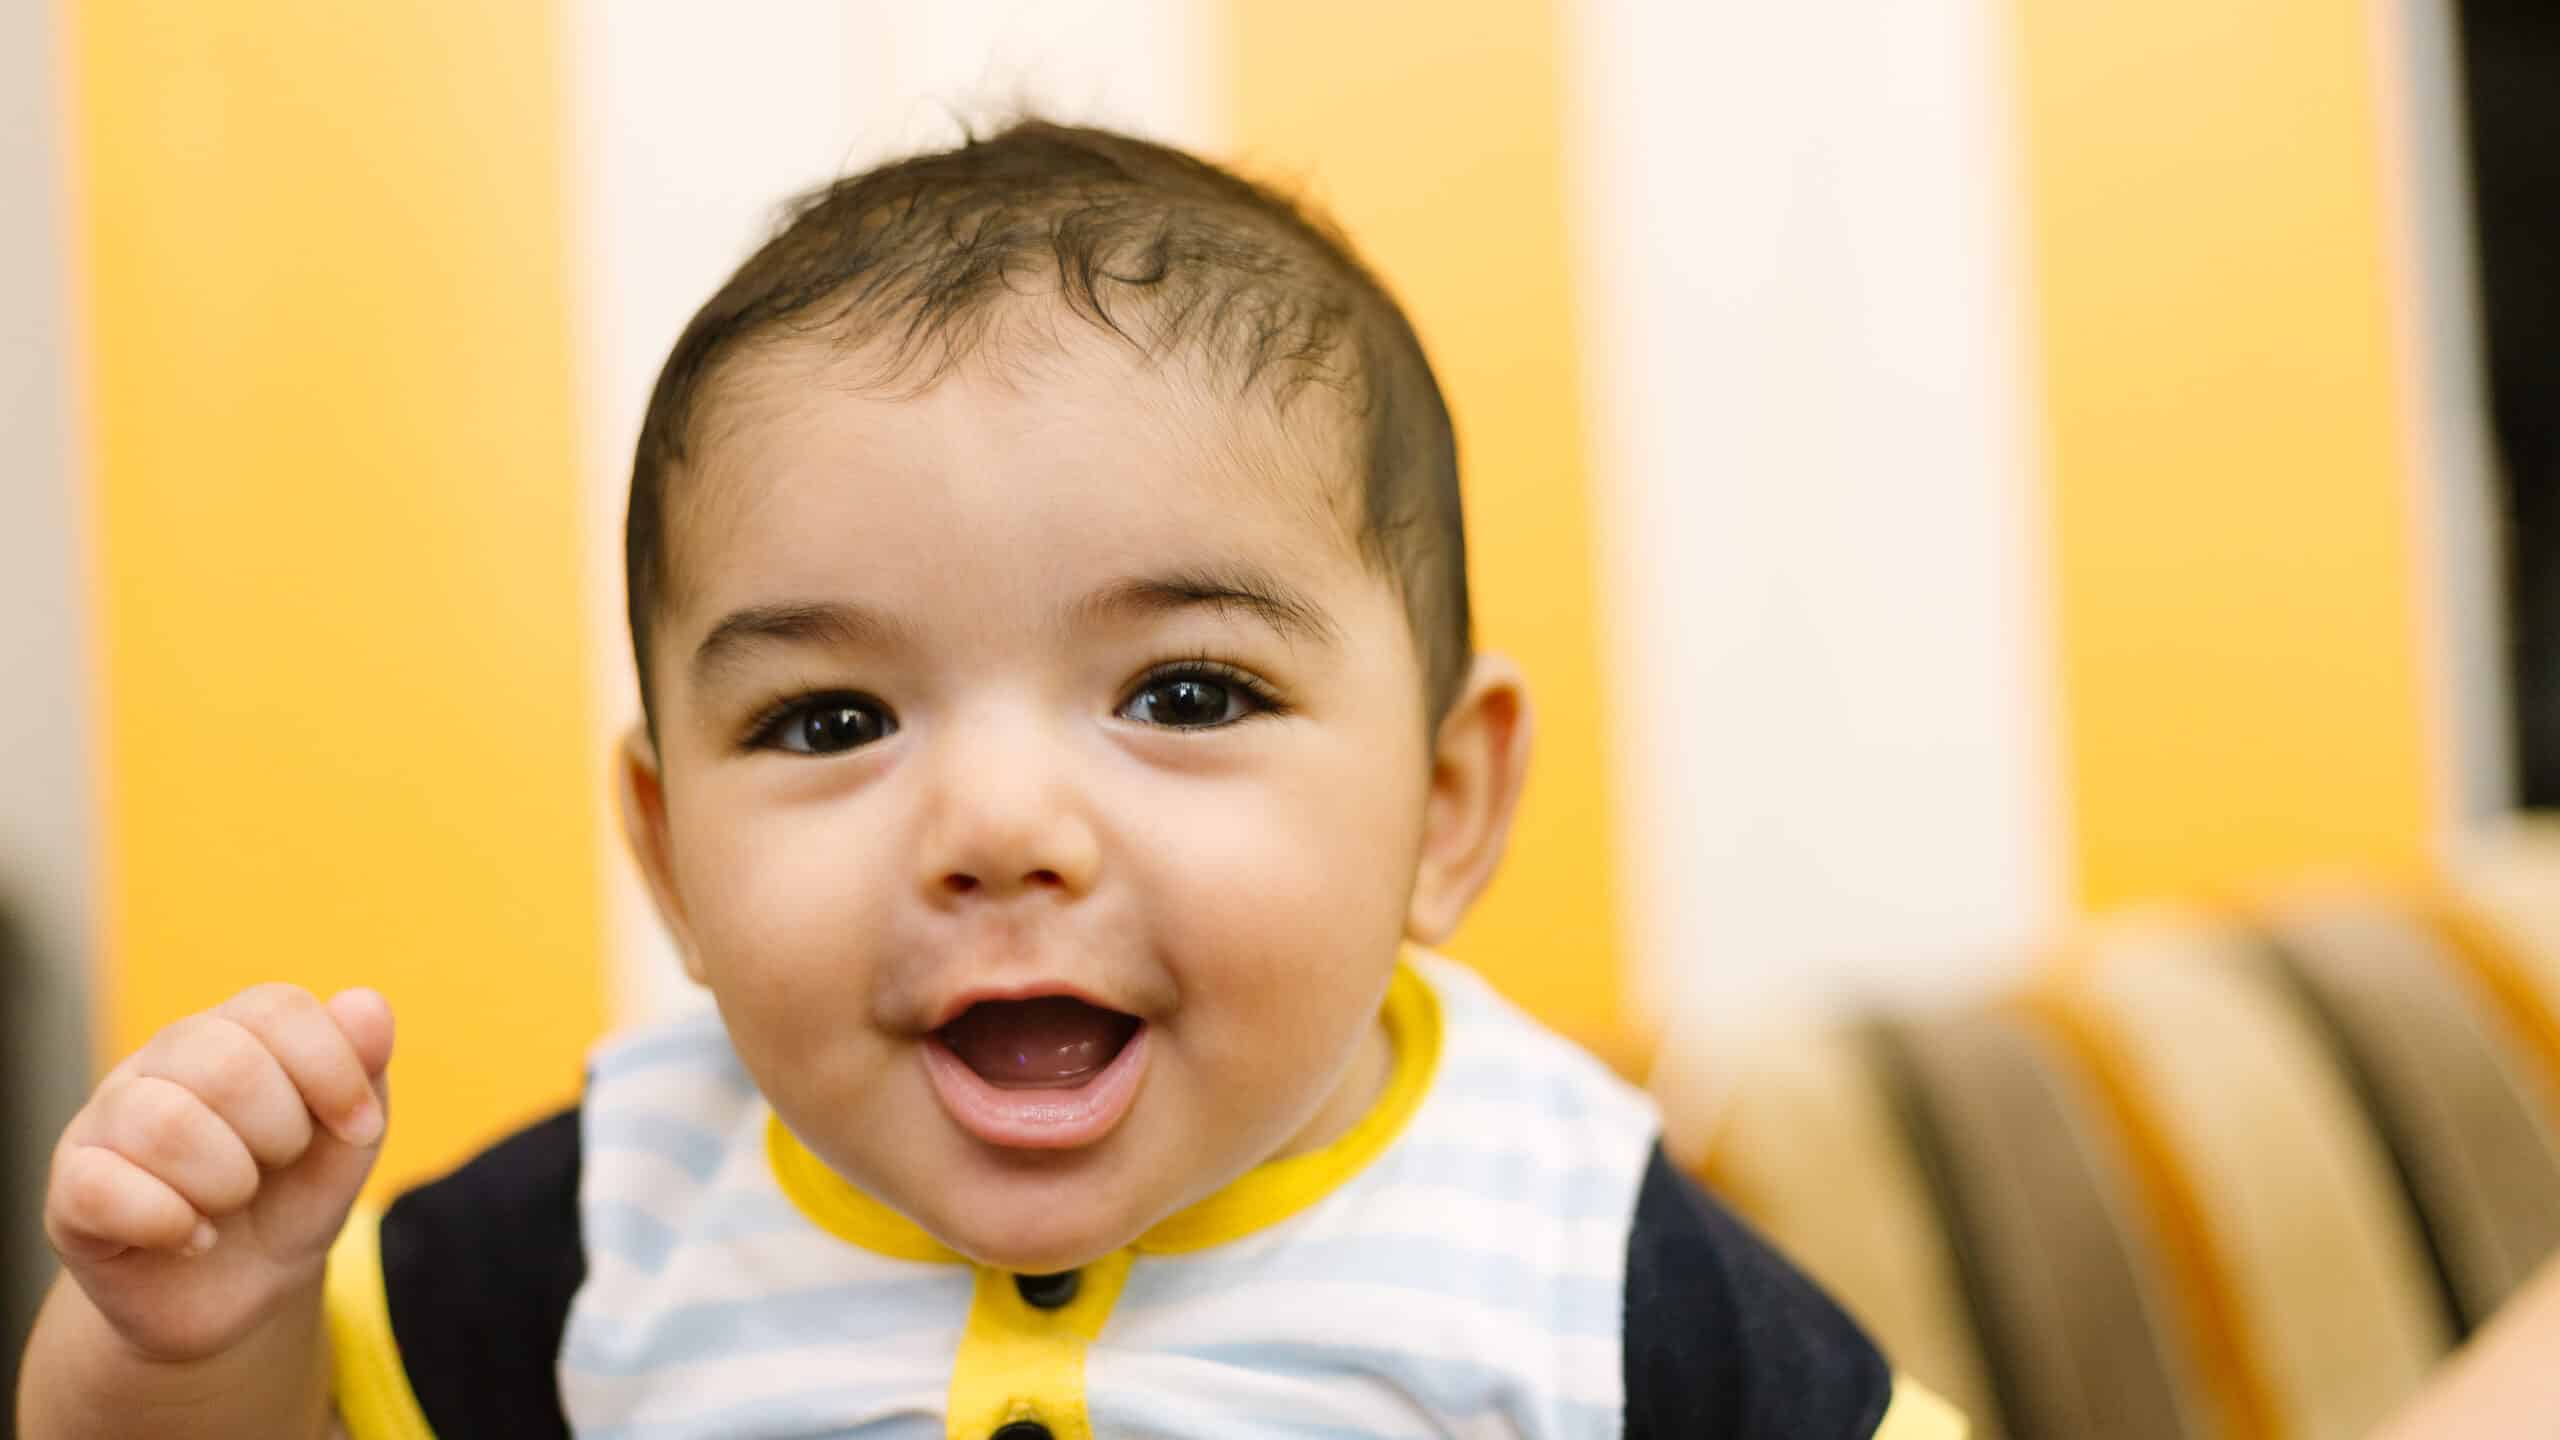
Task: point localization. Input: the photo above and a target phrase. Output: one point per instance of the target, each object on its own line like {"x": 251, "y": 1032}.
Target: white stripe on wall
{"x": 691, "y": 124}
{"x": 1807, "y": 372}
{"x": 2435, "y": 285}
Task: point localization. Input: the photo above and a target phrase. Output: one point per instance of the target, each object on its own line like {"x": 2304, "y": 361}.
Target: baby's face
{"x": 1043, "y": 775}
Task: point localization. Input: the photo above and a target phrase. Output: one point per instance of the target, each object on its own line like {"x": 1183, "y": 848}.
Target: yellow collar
{"x": 1261, "y": 1197}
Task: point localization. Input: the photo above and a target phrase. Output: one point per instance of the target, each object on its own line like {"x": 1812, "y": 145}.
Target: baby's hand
{"x": 203, "y": 1182}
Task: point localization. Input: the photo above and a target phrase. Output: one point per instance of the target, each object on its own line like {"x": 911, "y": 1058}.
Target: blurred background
{"x": 1984, "y": 490}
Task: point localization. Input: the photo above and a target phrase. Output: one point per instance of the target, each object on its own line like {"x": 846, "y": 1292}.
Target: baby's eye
{"x": 1194, "y": 699}
{"x": 824, "y": 725}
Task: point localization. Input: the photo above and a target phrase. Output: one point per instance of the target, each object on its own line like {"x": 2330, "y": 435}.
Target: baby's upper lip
{"x": 958, "y": 1004}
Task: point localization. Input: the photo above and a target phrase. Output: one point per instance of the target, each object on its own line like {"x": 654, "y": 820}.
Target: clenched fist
{"x": 202, "y": 1184}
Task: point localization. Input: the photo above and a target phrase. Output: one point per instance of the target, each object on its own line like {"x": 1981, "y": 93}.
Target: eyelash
{"x": 765, "y": 729}
{"x": 1256, "y": 690}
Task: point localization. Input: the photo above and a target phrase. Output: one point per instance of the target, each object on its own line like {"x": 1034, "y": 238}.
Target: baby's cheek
{"x": 1302, "y": 978}
{"x": 780, "y": 923}
{"x": 795, "y": 995}
{"x": 776, "y": 870}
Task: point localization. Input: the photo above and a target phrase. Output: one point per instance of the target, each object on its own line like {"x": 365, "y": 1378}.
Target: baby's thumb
{"x": 364, "y": 1017}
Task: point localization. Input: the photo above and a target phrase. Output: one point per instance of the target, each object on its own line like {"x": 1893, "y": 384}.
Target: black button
{"x": 1022, "y": 1430}
{"x": 1049, "y": 1292}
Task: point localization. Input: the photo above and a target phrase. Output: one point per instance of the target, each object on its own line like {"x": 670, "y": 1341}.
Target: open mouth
{"x": 1055, "y": 1042}
{"x": 1048, "y": 1073}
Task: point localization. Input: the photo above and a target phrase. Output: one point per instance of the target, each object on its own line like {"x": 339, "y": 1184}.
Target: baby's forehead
{"x": 810, "y": 429}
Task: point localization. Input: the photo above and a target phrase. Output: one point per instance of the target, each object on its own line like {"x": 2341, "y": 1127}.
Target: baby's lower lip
{"x": 1064, "y": 1118}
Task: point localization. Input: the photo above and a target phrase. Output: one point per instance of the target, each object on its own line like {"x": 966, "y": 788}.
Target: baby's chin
{"x": 1033, "y": 1235}
{"x": 1039, "y": 1212}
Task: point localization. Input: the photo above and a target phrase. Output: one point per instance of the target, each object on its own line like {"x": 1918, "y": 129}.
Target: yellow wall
{"x": 2231, "y": 505}
{"x": 1438, "y": 146}
{"x": 335, "y": 531}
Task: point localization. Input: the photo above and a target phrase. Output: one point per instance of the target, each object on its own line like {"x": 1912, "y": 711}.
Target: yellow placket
{"x": 1022, "y": 1365}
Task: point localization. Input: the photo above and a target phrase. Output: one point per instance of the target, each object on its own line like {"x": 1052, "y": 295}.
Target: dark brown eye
{"x": 829, "y": 725}
{"x": 1192, "y": 701}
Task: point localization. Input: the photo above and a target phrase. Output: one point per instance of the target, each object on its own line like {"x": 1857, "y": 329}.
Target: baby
{"x": 1050, "y": 605}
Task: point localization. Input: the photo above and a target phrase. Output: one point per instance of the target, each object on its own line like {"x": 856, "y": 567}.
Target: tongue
{"x": 1052, "y": 1043}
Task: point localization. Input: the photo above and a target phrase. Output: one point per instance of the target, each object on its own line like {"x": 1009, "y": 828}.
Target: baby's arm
{"x": 193, "y": 1201}
{"x": 2502, "y": 1384}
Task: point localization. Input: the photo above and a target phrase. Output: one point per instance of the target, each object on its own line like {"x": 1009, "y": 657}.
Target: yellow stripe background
{"x": 335, "y": 514}
{"x": 1437, "y": 144}
{"x": 2232, "y": 511}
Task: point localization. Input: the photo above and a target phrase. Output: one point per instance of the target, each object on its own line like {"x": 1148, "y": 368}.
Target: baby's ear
{"x": 1478, "y": 762}
{"x": 644, "y": 824}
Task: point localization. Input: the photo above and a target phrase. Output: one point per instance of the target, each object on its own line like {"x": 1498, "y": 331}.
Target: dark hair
{"x": 1160, "y": 249}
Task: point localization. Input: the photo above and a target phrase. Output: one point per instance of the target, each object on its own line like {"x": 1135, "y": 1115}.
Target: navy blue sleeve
{"x": 1724, "y": 1337}
{"x": 478, "y": 1269}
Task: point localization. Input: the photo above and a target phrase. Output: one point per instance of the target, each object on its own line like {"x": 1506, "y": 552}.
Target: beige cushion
{"x": 1803, "y": 1142}
{"x": 2503, "y": 923}
{"x": 2063, "y": 1286}
{"x": 2297, "y": 1267}
{"x": 2451, "y": 1099}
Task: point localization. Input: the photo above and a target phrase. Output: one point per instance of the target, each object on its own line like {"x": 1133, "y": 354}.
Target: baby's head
{"x": 1050, "y": 605}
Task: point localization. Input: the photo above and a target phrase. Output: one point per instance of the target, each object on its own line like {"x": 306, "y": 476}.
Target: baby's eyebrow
{"x": 815, "y": 623}
{"x": 1240, "y": 589}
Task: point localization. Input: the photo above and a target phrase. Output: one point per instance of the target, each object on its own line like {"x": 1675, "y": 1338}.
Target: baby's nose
{"x": 1009, "y": 819}
{"x": 1053, "y": 852}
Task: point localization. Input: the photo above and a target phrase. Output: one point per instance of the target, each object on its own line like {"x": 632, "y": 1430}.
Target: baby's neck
{"x": 1363, "y": 1080}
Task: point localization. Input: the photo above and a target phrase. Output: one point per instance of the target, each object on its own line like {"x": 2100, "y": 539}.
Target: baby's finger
{"x": 102, "y": 1204}
{"x": 232, "y": 1071}
{"x": 364, "y": 1017}
{"x": 316, "y": 1056}
{"x": 173, "y": 1135}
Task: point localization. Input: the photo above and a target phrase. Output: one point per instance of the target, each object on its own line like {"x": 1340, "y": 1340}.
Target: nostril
{"x": 961, "y": 882}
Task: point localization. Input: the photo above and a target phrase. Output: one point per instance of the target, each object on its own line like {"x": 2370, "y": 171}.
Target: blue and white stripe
{"x": 1469, "y": 1281}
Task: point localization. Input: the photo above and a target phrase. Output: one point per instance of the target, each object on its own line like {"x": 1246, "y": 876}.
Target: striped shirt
{"x": 1485, "y": 1253}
